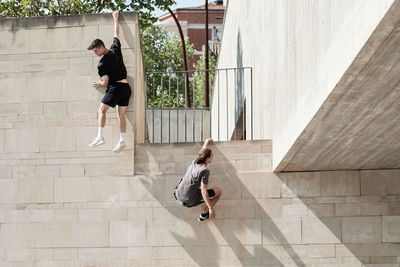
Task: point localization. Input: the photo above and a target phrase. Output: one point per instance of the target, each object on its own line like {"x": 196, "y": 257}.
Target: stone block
{"x": 145, "y": 188}
{"x": 340, "y": 183}
{"x": 45, "y": 171}
{"x": 72, "y": 234}
{"x": 347, "y": 209}
{"x": 65, "y": 21}
{"x": 304, "y": 184}
{"x": 321, "y": 251}
{"x": 72, "y": 171}
{"x": 56, "y": 64}
{"x": 230, "y": 185}
{"x": 14, "y": 42}
{"x": 322, "y": 210}
{"x": 282, "y": 231}
{"x": 380, "y": 182}
{"x": 11, "y": 90}
{"x": 61, "y": 254}
{"x": 17, "y": 235}
{"x": 361, "y": 229}
{"x": 91, "y": 215}
{"x": 391, "y": 228}
{"x": 18, "y": 109}
{"x": 55, "y": 108}
{"x": 21, "y": 140}
{"x": 116, "y": 214}
{"x": 79, "y": 38}
{"x": 5, "y": 172}
{"x": 41, "y": 216}
{"x": 72, "y": 190}
{"x": 294, "y": 210}
{"x": 35, "y": 191}
{"x": 8, "y": 190}
{"x": 321, "y": 230}
{"x": 82, "y": 65}
{"x": 267, "y": 208}
{"x": 108, "y": 189}
{"x": 83, "y": 107}
{"x": 140, "y": 253}
{"x": 24, "y": 171}
{"x": 135, "y": 232}
{"x": 102, "y": 253}
{"x": 79, "y": 88}
{"x": 85, "y": 136}
{"x": 127, "y": 35}
{"x": 57, "y": 139}
{"x": 260, "y": 185}
{"x": 66, "y": 215}
{"x": 17, "y": 216}
{"x": 43, "y": 89}
{"x": 47, "y": 40}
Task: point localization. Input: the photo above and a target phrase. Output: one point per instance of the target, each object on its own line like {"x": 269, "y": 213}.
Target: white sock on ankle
{"x": 100, "y": 132}
{"x": 122, "y": 137}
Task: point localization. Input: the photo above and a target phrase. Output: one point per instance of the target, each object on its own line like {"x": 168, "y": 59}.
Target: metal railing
{"x": 176, "y": 110}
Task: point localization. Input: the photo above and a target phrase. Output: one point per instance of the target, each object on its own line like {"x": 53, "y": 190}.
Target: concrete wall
{"x": 330, "y": 218}
{"x": 48, "y": 116}
{"x": 298, "y": 50}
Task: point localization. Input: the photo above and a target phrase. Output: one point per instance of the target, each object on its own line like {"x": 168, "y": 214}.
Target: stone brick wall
{"x": 331, "y": 218}
{"x": 63, "y": 204}
{"x": 48, "y": 115}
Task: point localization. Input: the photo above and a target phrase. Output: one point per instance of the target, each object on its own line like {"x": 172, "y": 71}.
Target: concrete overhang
{"x": 358, "y": 125}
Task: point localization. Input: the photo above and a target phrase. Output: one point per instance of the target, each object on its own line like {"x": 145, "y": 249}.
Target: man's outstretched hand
{"x": 115, "y": 15}
{"x": 207, "y": 142}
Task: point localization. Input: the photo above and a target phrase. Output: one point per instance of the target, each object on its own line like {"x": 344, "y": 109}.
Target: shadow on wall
{"x": 340, "y": 217}
{"x": 239, "y": 77}
{"x": 241, "y": 228}
{"x": 346, "y": 211}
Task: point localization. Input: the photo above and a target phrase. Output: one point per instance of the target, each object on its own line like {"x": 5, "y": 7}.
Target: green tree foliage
{"x": 162, "y": 52}
{"x": 200, "y": 78}
{"x": 31, "y": 8}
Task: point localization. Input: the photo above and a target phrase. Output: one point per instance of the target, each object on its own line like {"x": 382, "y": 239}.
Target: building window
{"x": 218, "y": 18}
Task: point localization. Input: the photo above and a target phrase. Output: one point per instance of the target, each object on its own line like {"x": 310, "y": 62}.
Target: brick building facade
{"x": 192, "y": 20}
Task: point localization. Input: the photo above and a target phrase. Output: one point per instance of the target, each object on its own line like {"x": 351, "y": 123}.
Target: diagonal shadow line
{"x": 229, "y": 237}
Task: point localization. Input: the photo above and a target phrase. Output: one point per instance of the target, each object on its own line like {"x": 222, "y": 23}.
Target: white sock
{"x": 100, "y": 132}
{"x": 122, "y": 137}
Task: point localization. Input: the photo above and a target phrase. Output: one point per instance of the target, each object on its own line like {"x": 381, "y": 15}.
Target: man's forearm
{"x": 116, "y": 28}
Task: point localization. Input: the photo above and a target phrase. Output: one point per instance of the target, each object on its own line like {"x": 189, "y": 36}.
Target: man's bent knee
{"x": 218, "y": 191}
{"x": 103, "y": 109}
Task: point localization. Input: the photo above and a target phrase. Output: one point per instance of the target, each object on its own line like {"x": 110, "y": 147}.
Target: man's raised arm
{"x": 116, "y": 23}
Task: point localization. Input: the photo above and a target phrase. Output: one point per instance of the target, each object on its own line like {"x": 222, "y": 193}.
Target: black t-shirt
{"x": 112, "y": 63}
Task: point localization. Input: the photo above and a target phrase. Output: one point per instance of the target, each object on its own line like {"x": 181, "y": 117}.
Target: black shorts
{"x": 117, "y": 94}
{"x": 211, "y": 195}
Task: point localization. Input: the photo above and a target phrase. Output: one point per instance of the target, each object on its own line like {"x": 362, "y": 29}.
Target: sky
{"x": 180, "y": 4}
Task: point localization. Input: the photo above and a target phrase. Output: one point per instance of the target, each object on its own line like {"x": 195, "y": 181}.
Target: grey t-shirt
{"x": 188, "y": 190}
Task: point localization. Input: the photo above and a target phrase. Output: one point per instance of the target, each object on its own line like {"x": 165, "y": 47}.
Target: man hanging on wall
{"x": 112, "y": 72}
{"x": 192, "y": 189}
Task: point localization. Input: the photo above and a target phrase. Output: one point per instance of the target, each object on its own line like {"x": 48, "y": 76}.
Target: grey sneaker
{"x": 119, "y": 147}
{"x": 97, "y": 142}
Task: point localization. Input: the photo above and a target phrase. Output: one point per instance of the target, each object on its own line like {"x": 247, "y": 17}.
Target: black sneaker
{"x": 203, "y": 216}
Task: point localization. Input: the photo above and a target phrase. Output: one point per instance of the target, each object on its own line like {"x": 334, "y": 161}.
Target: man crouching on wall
{"x": 192, "y": 189}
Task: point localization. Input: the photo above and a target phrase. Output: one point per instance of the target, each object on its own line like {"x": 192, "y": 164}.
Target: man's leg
{"x": 122, "y": 127}
{"x": 218, "y": 193}
{"x": 101, "y": 116}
